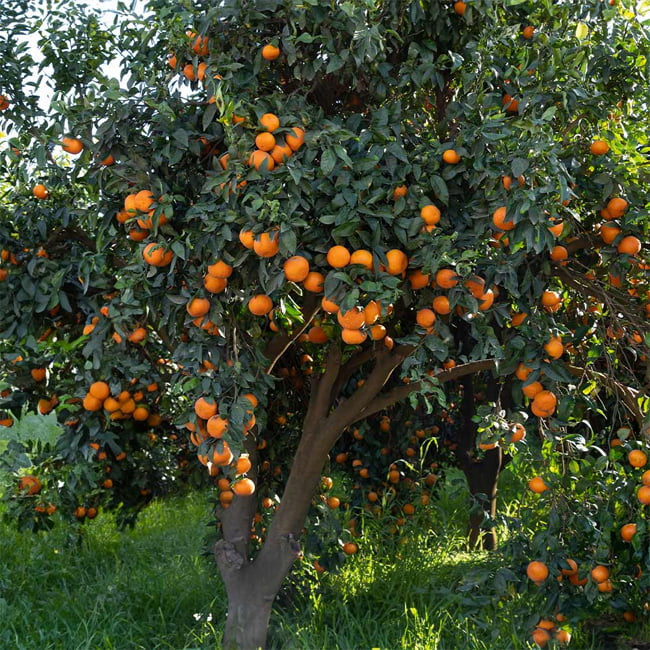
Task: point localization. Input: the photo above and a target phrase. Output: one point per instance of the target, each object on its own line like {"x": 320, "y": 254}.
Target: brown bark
{"x": 482, "y": 479}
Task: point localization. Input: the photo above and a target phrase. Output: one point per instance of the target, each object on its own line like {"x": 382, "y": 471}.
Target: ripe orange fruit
{"x": 499, "y": 219}
{"x": 559, "y": 253}
{"x": 205, "y": 407}
{"x": 100, "y": 390}
{"x": 397, "y": 262}
{"x": 353, "y": 319}
{"x": 399, "y": 192}
{"x": 628, "y": 531}
{"x": 544, "y": 404}
{"x": 156, "y": 254}
{"x": 72, "y": 145}
{"x": 199, "y": 44}
{"x": 599, "y": 147}
{"x": 216, "y": 426}
{"x": 372, "y": 312}
{"x": 243, "y": 465}
{"x": 353, "y": 336}
{"x": 430, "y": 214}
{"x": 107, "y": 161}
{"x": 270, "y": 122}
{"x": 446, "y": 278}
{"x": 645, "y": 478}
{"x": 38, "y": 374}
{"x": 40, "y": 191}
{"x": 333, "y": 503}
{"x": 362, "y": 257}
{"x": 510, "y": 105}
{"x": 541, "y": 636}
{"x": 460, "y": 7}
{"x": 377, "y": 332}
{"x": 486, "y": 300}
{"x": 425, "y": 318}
{"x": 317, "y": 334}
{"x": 532, "y": 389}
{"x": 296, "y": 268}
{"x": 198, "y": 307}
{"x": 270, "y": 52}
{"x": 537, "y": 571}
{"x": 329, "y": 305}
{"x": 537, "y": 485}
{"x": 551, "y": 299}
{"x": 265, "y": 142}
{"x": 451, "y": 157}
{"x": 267, "y": 244}
{"x": 418, "y": 280}
{"x": 314, "y": 282}
{"x": 296, "y": 138}
{"x": 338, "y": 256}
{"x": 441, "y": 305}
{"x": 629, "y": 245}
{"x": 643, "y": 495}
{"x": 220, "y": 269}
{"x": 609, "y": 232}
{"x": 4, "y": 102}
{"x": 214, "y": 284}
{"x": 260, "y": 304}
{"x": 572, "y": 570}
{"x": 518, "y": 432}
{"x": 476, "y": 286}
{"x": 563, "y": 637}
{"x": 554, "y": 347}
{"x": 518, "y": 318}
{"x": 528, "y": 32}
{"x": 616, "y": 207}
{"x": 637, "y": 458}
{"x": 261, "y": 159}
{"x": 600, "y": 573}
{"x": 281, "y": 152}
{"x": 350, "y": 548}
{"x": 29, "y": 484}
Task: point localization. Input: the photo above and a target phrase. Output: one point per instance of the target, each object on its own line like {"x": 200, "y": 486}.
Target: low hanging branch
{"x": 628, "y": 395}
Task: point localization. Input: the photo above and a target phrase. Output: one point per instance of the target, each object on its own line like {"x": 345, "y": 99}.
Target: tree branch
{"x": 384, "y": 400}
{"x": 627, "y": 394}
{"x": 279, "y": 344}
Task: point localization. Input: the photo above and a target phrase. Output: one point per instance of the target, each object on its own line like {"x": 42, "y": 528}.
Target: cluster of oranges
{"x": 211, "y": 426}
{"x": 610, "y": 230}
{"x": 122, "y": 406}
{"x": 638, "y": 459}
{"x": 544, "y": 401}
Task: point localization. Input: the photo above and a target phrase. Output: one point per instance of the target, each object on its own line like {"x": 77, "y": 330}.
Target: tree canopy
{"x": 312, "y": 212}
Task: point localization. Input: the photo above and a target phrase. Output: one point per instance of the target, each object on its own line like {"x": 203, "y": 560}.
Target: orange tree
{"x": 299, "y": 214}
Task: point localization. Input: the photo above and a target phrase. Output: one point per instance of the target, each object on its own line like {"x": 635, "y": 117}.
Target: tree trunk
{"x": 482, "y": 478}
{"x": 249, "y": 611}
{"x": 252, "y": 585}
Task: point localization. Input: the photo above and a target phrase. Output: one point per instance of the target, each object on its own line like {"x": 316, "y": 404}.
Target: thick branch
{"x": 320, "y": 399}
{"x": 349, "y": 368}
{"x": 355, "y": 407}
{"x": 384, "y": 400}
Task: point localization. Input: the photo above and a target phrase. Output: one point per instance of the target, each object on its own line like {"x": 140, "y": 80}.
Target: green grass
{"x": 143, "y": 588}
{"x": 154, "y": 587}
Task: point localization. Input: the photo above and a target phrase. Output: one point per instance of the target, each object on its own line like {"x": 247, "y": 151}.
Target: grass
{"x": 154, "y": 587}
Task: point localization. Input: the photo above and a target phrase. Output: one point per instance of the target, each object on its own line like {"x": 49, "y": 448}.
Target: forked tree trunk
{"x": 252, "y": 585}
